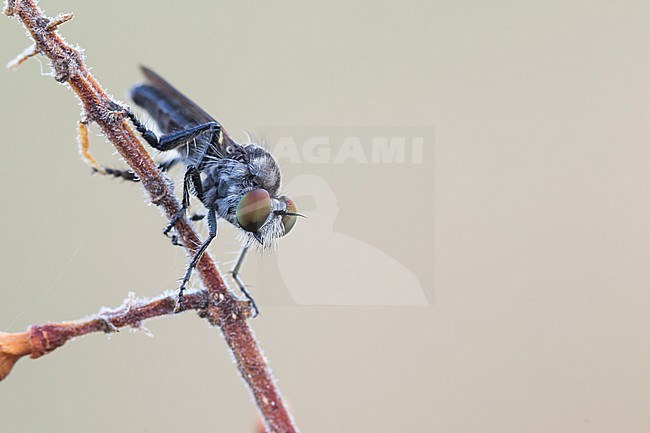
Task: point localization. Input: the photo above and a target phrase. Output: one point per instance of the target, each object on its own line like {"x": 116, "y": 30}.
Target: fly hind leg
{"x": 84, "y": 150}
{"x": 240, "y": 283}
{"x": 88, "y": 158}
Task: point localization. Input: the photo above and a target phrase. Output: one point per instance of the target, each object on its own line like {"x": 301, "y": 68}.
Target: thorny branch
{"x": 222, "y": 308}
{"x": 40, "y": 340}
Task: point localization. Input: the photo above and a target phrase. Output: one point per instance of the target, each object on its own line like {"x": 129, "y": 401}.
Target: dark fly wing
{"x": 165, "y": 111}
{"x": 174, "y": 111}
{"x": 194, "y": 114}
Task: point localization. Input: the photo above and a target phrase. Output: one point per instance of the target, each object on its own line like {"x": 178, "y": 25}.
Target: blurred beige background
{"x": 531, "y": 246}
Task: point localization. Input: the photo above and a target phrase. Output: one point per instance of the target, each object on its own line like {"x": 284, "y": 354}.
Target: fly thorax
{"x": 263, "y": 169}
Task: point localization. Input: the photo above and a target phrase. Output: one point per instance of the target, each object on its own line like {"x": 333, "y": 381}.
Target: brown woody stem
{"x": 40, "y": 340}
{"x": 223, "y": 309}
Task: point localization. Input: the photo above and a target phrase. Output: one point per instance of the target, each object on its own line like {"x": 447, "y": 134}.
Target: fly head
{"x": 263, "y": 218}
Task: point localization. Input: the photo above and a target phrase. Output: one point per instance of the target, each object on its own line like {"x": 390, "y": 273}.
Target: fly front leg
{"x": 192, "y": 180}
{"x": 191, "y": 184}
{"x": 240, "y": 283}
{"x": 212, "y": 228}
{"x": 175, "y": 139}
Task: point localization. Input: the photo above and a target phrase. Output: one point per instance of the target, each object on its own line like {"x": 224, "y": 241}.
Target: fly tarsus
{"x": 121, "y": 174}
{"x": 148, "y": 135}
{"x": 235, "y": 275}
{"x": 172, "y": 222}
{"x": 212, "y": 228}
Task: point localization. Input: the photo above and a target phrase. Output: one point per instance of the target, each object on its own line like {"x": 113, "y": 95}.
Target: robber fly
{"x": 239, "y": 183}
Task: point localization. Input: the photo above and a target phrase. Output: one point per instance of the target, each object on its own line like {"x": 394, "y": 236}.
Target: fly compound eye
{"x": 288, "y": 221}
{"x": 253, "y": 209}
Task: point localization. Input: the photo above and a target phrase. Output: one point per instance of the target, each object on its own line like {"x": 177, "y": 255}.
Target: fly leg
{"x": 240, "y": 283}
{"x": 88, "y": 158}
{"x": 174, "y": 139}
{"x": 191, "y": 184}
{"x": 212, "y": 228}
{"x": 168, "y": 164}
{"x": 193, "y": 217}
{"x": 84, "y": 147}
{"x": 192, "y": 180}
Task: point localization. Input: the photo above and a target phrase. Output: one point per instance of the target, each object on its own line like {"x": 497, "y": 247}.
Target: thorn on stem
{"x": 58, "y": 20}
{"x": 109, "y": 328}
{"x": 21, "y": 58}
{"x": 9, "y": 7}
